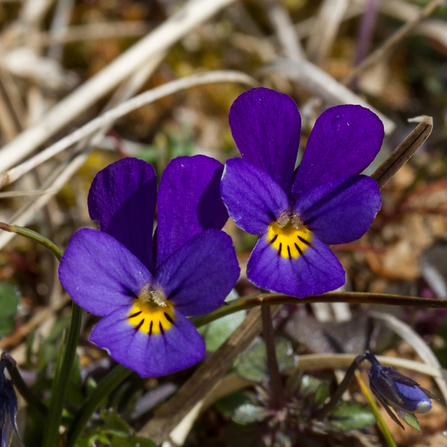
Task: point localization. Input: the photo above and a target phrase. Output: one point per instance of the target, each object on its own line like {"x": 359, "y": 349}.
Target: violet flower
{"x": 143, "y": 293}
{"x": 298, "y": 213}
{"x": 8, "y": 405}
{"x": 394, "y": 389}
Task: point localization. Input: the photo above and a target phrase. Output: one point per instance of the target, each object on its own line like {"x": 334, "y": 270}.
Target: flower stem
{"x": 31, "y": 399}
{"x": 53, "y": 420}
{"x": 341, "y": 388}
{"x": 385, "y": 431}
{"x": 104, "y": 388}
{"x": 249, "y": 302}
{"x": 272, "y": 362}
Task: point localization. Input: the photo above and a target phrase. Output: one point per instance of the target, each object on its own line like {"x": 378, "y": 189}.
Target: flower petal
{"x": 99, "y": 273}
{"x": 341, "y": 210}
{"x": 266, "y": 127}
{"x": 253, "y": 199}
{"x": 198, "y": 277}
{"x": 344, "y": 141}
{"x": 316, "y": 271}
{"x": 122, "y": 199}
{"x": 189, "y": 202}
{"x": 166, "y": 352}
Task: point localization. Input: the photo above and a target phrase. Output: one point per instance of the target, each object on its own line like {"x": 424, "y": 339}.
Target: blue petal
{"x": 253, "y": 199}
{"x": 341, "y": 210}
{"x": 266, "y": 127}
{"x": 99, "y": 273}
{"x": 316, "y": 271}
{"x": 344, "y": 141}
{"x": 154, "y": 355}
{"x": 122, "y": 199}
{"x": 198, "y": 277}
{"x": 189, "y": 202}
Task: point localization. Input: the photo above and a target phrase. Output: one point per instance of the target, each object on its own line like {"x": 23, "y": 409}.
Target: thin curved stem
{"x": 105, "y": 387}
{"x": 271, "y": 299}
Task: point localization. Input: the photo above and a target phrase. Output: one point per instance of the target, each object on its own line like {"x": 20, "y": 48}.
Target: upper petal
{"x": 253, "y": 199}
{"x": 266, "y": 127}
{"x": 198, "y": 277}
{"x": 341, "y": 210}
{"x": 99, "y": 273}
{"x": 122, "y": 199}
{"x": 316, "y": 271}
{"x": 174, "y": 349}
{"x": 344, "y": 141}
{"x": 189, "y": 202}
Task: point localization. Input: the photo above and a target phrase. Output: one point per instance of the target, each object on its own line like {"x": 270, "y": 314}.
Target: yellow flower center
{"x": 289, "y": 239}
{"x": 151, "y": 312}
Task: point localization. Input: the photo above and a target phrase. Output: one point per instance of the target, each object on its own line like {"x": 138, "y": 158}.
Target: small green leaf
{"x": 409, "y": 418}
{"x": 248, "y": 413}
{"x": 252, "y": 365}
{"x": 132, "y": 442}
{"x": 115, "y": 425}
{"x": 228, "y": 404}
{"x": 351, "y": 416}
{"x": 9, "y": 300}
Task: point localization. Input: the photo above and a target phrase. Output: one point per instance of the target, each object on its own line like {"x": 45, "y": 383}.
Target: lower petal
{"x": 178, "y": 346}
{"x": 299, "y": 273}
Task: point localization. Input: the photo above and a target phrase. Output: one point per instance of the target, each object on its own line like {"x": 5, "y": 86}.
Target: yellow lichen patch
{"x": 150, "y": 317}
{"x": 288, "y": 241}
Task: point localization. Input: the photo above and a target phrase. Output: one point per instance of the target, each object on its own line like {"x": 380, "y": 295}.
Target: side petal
{"x": 189, "y": 202}
{"x": 122, "y": 199}
{"x": 154, "y": 355}
{"x": 253, "y": 199}
{"x": 266, "y": 127}
{"x": 316, "y": 271}
{"x": 341, "y": 210}
{"x": 344, "y": 141}
{"x": 198, "y": 277}
{"x": 99, "y": 273}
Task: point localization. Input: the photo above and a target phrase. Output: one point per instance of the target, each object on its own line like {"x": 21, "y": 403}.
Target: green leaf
{"x": 351, "y": 416}
{"x": 115, "y": 425}
{"x": 132, "y": 442}
{"x": 252, "y": 365}
{"x": 248, "y": 413}
{"x": 228, "y": 404}
{"x": 9, "y": 299}
{"x": 409, "y": 418}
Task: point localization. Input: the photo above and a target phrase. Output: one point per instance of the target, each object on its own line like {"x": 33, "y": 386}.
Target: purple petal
{"x": 341, "y": 210}
{"x": 198, "y": 277}
{"x": 122, "y": 199}
{"x": 414, "y": 399}
{"x": 176, "y": 348}
{"x": 189, "y": 202}
{"x": 266, "y": 127}
{"x": 344, "y": 141}
{"x": 99, "y": 273}
{"x": 316, "y": 271}
{"x": 254, "y": 200}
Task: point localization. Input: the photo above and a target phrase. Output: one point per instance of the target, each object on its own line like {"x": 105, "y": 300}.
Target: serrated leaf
{"x": 115, "y": 425}
{"x": 228, "y": 404}
{"x": 249, "y": 413}
{"x": 9, "y": 300}
{"x": 252, "y": 365}
{"x": 409, "y": 418}
{"x": 351, "y": 416}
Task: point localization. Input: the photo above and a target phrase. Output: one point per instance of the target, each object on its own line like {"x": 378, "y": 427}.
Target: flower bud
{"x": 393, "y": 389}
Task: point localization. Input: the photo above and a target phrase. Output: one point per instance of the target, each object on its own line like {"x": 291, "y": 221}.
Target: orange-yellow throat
{"x": 289, "y": 241}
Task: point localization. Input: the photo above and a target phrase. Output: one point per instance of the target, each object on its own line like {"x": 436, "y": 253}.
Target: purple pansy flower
{"x": 143, "y": 294}
{"x": 299, "y": 212}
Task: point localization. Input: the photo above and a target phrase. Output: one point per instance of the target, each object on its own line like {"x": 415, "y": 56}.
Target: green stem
{"x": 105, "y": 387}
{"x": 271, "y": 299}
{"x": 30, "y": 398}
{"x": 56, "y": 406}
